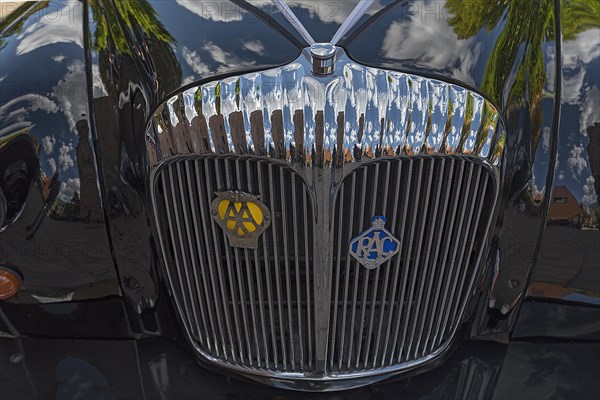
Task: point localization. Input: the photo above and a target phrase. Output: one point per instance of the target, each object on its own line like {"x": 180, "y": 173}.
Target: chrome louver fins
{"x": 359, "y": 112}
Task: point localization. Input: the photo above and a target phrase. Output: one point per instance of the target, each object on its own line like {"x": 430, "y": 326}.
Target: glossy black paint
{"x": 159, "y": 369}
{"x": 56, "y": 235}
{"x": 106, "y": 65}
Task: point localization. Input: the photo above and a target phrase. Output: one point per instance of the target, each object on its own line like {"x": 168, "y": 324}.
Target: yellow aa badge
{"x": 242, "y": 216}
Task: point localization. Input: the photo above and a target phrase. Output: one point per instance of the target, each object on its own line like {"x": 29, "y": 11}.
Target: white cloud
{"x": 576, "y": 162}
{"x": 55, "y": 26}
{"x": 572, "y": 86}
{"x": 225, "y": 58}
{"x": 561, "y": 175}
{"x": 58, "y": 58}
{"x": 98, "y": 88}
{"x": 48, "y": 143}
{"x": 214, "y": 11}
{"x": 546, "y": 139}
{"x": 14, "y": 113}
{"x": 193, "y": 60}
{"x": 255, "y": 46}
{"x": 590, "y": 110}
{"x": 582, "y": 50}
{"x": 68, "y": 188}
{"x": 328, "y": 11}
{"x": 430, "y": 43}
{"x": 575, "y": 54}
{"x": 52, "y": 165}
{"x": 71, "y": 92}
{"x": 65, "y": 160}
{"x": 589, "y": 193}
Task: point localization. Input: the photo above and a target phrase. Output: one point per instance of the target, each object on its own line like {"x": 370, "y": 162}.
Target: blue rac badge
{"x": 374, "y": 246}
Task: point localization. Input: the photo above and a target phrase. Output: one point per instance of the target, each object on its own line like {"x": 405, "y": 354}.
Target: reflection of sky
{"x": 321, "y": 19}
{"x": 580, "y": 109}
{"x": 415, "y": 36}
{"x": 52, "y": 100}
{"x": 215, "y": 37}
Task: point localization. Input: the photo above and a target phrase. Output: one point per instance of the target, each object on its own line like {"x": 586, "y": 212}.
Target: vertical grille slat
{"x": 203, "y": 257}
{"x": 405, "y": 271}
{"x": 255, "y": 308}
{"x": 208, "y": 176}
{"x": 280, "y": 304}
{"x": 344, "y": 301}
{"x": 231, "y": 304}
{"x": 214, "y": 292}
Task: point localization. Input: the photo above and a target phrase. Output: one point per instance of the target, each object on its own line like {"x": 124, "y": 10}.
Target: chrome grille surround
{"x": 285, "y": 130}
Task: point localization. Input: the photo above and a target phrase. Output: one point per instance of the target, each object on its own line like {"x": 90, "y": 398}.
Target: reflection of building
{"x": 89, "y": 197}
{"x": 564, "y": 207}
{"x": 593, "y": 150}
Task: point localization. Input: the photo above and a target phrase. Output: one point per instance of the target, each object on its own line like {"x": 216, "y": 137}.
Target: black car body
{"x": 87, "y": 90}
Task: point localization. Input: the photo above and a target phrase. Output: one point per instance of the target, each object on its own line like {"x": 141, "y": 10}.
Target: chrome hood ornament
{"x": 242, "y": 217}
{"x": 374, "y": 246}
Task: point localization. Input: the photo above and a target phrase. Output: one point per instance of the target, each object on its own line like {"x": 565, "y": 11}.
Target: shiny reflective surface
{"x": 566, "y": 274}
{"x": 357, "y": 114}
{"x": 138, "y": 53}
{"x": 315, "y": 124}
{"x": 159, "y": 369}
{"x": 56, "y": 232}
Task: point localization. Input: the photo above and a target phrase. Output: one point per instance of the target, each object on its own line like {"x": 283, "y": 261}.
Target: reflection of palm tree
{"x": 528, "y": 25}
{"x": 131, "y": 28}
{"x": 9, "y": 27}
{"x": 135, "y": 13}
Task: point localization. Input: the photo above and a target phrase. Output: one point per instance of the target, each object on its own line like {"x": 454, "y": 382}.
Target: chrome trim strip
{"x": 352, "y": 19}
{"x": 356, "y": 114}
{"x": 292, "y": 19}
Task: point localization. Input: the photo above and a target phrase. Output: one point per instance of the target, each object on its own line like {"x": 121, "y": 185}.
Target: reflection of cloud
{"x": 576, "y": 53}
{"x": 561, "y": 175}
{"x": 413, "y": 39}
{"x": 214, "y": 11}
{"x": 225, "y": 58}
{"x": 98, "y": 88}
{"x": 62, "y": 26}
{"x": 546, "y": 139}
{"x": 255, "y": 46}
{"x": 65, "y": 161}
{"x": 68, "y": 188}
{"x": 576, "y": 162}
{"x": 58, "y": 58}
{"x": 14, "y": 113}
{"x": 52, "y": 165}
{"x": 589, "y": 193}
{"x": 48, "y": 144}
{"x": 193, "y": 60}
{"x": 33, "y": 102}
{"x": 324, "y": 11}
{"x": 572, "y": 85}
{"x": 582, "y": 50}
{"x": 590, "y": 110}
{"x": 329, "y": 11}
{"x": 71, "y": 92}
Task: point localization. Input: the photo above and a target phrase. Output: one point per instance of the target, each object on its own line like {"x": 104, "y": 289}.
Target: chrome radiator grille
{"x": 439, "y": 209}
{"x": 257, "y": 309}
{"x": 245, "y": 307}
